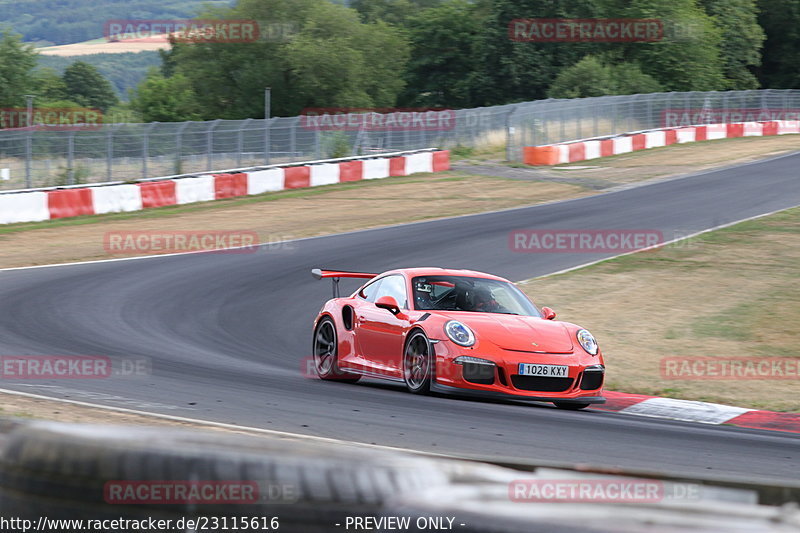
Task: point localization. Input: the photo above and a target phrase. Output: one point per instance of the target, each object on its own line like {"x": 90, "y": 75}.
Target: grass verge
{"x": 730, "y": 293}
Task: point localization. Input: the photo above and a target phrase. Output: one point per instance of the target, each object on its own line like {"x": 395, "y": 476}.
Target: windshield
{"x": 462, "y": 293}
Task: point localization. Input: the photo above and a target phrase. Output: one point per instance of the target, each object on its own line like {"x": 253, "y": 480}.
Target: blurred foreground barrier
{"x": 214, "y": 481}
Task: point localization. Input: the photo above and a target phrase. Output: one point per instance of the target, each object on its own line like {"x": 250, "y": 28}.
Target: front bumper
{"x": 502, "y": 395}
{"x": 584, "y": 382}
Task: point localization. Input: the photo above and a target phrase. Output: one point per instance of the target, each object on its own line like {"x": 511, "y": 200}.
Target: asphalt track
{"x": 227, "y": 333}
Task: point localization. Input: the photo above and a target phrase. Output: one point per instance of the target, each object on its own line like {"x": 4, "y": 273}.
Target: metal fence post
{"x": 28, "y": 157}
{"x": 240, "y": 141}
{"x": 510, "y": 133}
{"x": 146, "y": 148}
{"x": 267, "y": 114}
{"x": 210, "y": 144}
{"x": 293, "y": 138}
{"x": 109, "y": 151}
{"x": 71, "y": 158}
{"x": 178, "y": 166}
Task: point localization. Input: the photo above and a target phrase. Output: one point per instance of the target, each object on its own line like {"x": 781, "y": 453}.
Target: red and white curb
{"x": 570, "y": 152}
{"x": 702, "y": 412}
{"x": 101, "y": 198}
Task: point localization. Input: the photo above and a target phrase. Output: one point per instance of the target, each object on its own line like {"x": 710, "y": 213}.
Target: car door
{"x": 379, "y": 333}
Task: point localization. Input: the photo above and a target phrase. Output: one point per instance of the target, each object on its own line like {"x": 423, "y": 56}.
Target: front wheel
{"x": 572, "y": 406}
{"x": 418, "y": 363}
{"x": 326, "y": 353}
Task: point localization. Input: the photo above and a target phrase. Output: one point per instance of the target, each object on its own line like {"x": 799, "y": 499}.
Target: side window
{"x": 394, "y": 286}
{"x": 369, "y": 293}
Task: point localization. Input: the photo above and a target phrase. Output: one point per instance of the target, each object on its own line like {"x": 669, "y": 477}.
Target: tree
{"x": 396, "y": 12}
{"x": 688, "y": 58}
{"x": 780, "y": 67}
{"x": 17, "y": 60}
{"x": 48, "y": 86}
{"x": 512, "y": 71}
{"x": 590, "y": 77}
{"x": 88, "y": 87}
{"x": 332, "y": 59}
{"x": 444, "y": 42}
{"x": 160, "y": 99}
{"x": 742, "y": 39}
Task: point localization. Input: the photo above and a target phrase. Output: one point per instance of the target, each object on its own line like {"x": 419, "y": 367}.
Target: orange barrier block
{"x": 606, "y": 147}
{"x": 577, "y": 152}
{"x": 351, "y": 171}
{"x": 540, "y": 155}
{"x": 70, "y": 203}
{"x": 770, "y": 128}
{"x": 296, "y": 177}
{"x": 158, "y": 193}
{"x": 735, "y": 130}
{"x": 441, "y": 160}
{"x": 230, "y": 185}
{"x": 397, "y": 166}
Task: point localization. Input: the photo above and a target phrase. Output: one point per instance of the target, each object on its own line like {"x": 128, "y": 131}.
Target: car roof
{"x": 438, "y": 271}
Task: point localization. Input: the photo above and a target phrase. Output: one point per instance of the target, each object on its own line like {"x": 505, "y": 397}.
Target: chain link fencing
{"x": 38, "y": 157}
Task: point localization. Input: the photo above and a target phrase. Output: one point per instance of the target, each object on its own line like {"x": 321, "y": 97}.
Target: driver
{"x": 484, "y": 301}
{"x": 422, "y": 295}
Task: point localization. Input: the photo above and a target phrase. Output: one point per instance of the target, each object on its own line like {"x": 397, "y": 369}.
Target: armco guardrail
{"x": 47, "y": 204}
{"x": 62, "y": 477}
{"x": 582, "y": 150}
{"x": 107, "y": 152}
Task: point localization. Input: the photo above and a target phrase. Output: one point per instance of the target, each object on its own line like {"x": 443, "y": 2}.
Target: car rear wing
{"x": 335, "y": 275}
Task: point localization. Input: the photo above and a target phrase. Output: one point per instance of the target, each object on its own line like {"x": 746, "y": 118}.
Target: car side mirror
{"x": 548, "y": 314}
{"x": 388, "y": 303}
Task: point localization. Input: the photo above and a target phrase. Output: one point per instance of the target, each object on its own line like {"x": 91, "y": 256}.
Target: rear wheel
{"x": 572, "y": 406}
{"x": 418, "y": 363}
{"x": 326, "y": 353}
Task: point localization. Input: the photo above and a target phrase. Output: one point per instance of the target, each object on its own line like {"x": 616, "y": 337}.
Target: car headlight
{"x": 588, "y": 341}
{"x": 459, "y": 333}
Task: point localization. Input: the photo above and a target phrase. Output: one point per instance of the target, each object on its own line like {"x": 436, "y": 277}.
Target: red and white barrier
{"x": 570, "y": 152}
{"x": 34, "y": 206}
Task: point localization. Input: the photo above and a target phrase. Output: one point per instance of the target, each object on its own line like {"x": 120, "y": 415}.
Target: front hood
{"x": 519, "y": 333}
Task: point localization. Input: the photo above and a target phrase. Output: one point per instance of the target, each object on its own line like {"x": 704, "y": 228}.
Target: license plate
{"x": 553, "y": 371}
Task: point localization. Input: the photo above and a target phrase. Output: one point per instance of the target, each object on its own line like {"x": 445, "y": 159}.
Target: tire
{"x": 325, "y": 347}
{"x": 61, "y": 470}
{"x": 418, "y": 363}
{"x": 572, "y": 406}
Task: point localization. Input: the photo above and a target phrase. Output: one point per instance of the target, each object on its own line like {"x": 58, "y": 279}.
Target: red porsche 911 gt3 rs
{"x": 455, "y": 331}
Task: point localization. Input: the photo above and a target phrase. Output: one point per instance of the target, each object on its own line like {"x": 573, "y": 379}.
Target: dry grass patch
{"x": 727, "y": 294}
{"x": 284, "y": 215}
